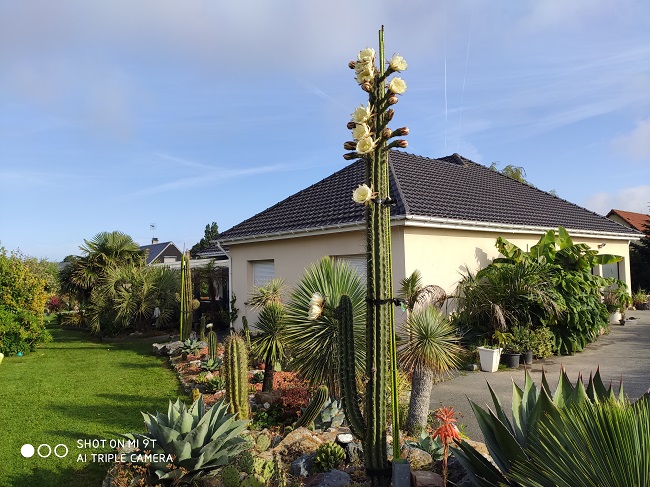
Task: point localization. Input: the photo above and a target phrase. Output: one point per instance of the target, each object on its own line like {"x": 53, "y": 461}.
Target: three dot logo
{"x": 44, "y": 450}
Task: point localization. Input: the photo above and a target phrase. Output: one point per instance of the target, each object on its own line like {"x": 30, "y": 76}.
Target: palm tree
{"x": 268, "y": 344}
{"x": 429, "y": 349}
{"x": 314, "y": 343}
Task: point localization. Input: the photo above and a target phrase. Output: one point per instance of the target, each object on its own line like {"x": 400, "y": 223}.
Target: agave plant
{"x": 197, "y": 440}
{"x": 191, "y": 346}
{"x": 507, "y": 441}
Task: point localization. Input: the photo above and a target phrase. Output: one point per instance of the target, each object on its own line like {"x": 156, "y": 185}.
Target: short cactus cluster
{"x": 251, "y": 470}
{"x": 329, "y": 456}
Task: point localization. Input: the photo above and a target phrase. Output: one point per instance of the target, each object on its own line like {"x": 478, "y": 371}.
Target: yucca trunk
{"x": 421, "y": 387}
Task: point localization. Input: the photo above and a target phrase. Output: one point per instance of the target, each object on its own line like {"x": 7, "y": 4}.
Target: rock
{"x": 299, "y": 442}
{"x": 473, "y": 367}
{"x": 353, "y": 453}
{"x": 271, "y": 397}
{"x": 302, "y": 466}
{"x": 169, "y": 348}
{"x": 267, "y": 405}
{"x": 419, "y": 459}
{"x": 333, "y": 478}
{"x": 195, "y": 363}
{"x": 344, "y": 438}
{"x": 425, "y": 478}
{"x": 479, "y": 447}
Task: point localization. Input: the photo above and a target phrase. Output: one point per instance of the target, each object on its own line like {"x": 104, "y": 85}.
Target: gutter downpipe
{"x": 229, "y": 278}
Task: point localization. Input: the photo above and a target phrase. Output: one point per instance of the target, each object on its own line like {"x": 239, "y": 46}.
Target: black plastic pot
{"x": 526, "y": 358}
{"x": 510, "y": 360}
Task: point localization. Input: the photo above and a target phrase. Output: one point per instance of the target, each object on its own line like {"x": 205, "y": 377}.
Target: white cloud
{"x": 636, "y": 144}
{"x": 636, "y": 199}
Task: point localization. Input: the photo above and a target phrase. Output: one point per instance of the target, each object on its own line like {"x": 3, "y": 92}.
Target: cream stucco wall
{"x": 441, "y": 255}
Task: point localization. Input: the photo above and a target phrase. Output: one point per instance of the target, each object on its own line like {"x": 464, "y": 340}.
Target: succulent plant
{"x": 433, "y": 446}
{"x": 190, "y": 441}
{"x": 507, "y": 440}
{"x": 215, "y": 384}
{"x": 280, "y": 474}
{"x": 246, "y": 462}
{"x": 212, "y": 345}
{"x": 212, "y": 365}
{"x": 329, "y": 456}
{"x": 254, "y": 480}
{"x": 263, "y": 443}
{"x": 313, "y": 408}
{"x": 331, "y": 415}
{"x": 230, "y": 476}
{"x": 191, "y": 346}
{"x": 236, "y": 375}
{"x": 264, "y": 468}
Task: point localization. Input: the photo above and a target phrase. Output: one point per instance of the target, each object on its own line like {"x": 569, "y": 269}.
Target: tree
{"x": 211, "y": 234}
{"x": 429, "y": 348}
{"x": 640, "y": 260}
{"x": 515, "y": 172}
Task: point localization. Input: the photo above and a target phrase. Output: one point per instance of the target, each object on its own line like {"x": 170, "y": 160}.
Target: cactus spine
{"x": 314, "y": 407}
{"x": 202, "y": 327}
{"x": 186, "y": 298}
{"x": 236, "y": 373}
{"x": 212, "y": 345}
{"x": 371, "y": 144}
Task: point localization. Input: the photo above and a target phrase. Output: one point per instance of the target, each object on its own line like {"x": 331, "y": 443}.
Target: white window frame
{"x": 262, "y": 271}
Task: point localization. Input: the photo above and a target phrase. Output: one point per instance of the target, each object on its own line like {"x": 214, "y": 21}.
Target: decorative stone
{"x": 425, "y": 478}
{"x": 333, "y": 478}
{"x": 419, "y": 459}
{"x": 170, "y": 348}
{"x": 267, "y": 405}
{"x": 353, "y": 453}
{"x": 271, "y": 397}
{"x": 195, "y": 363}
{"x": 299, "y": 442}
{"x": 344, "y": 438}
{"x": 302, "y": 466}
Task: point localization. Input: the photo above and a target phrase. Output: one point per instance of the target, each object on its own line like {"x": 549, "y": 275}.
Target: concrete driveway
{"x": 625, "y": 352}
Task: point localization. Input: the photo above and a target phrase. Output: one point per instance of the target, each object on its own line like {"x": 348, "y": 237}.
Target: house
{"x": 448, "y": 214}
{"x": 161, "y": 252}
{"x": 637, "y": 221}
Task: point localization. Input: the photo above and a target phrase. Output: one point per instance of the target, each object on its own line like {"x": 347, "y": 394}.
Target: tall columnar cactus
{"x": 212, "y": 345}
{"x": 236, "y": 373}
{"x": 314, "y": 407}
{"x": 186, "y": 298}
{"x": 246, "y": 331}
{"x": 202, "y": 328}
{"x": 371, "y": 136}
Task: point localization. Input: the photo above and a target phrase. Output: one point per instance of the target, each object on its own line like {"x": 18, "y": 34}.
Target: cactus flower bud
{"x": 401, "y": 132}
{"x": 350, "y": 146}
{"x": 389, "y": 114}
{"x": 350, "y": 156}
{"x": 402, "y": 144}
{"x": 352, "y": 64}
{"x": 366, "y": 87}
{"x": 351, "y": 125}
{"x": 392, "y": 100}
{"x": 387, "y": 133}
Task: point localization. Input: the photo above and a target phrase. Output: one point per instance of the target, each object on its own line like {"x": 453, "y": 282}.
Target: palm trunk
{"x": 269, "y": 369}
{"x": 421, "y": 387}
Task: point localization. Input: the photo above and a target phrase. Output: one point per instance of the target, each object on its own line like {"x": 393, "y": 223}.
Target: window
{"x": 357, "y": 262}
{"x": 263, "y": 272}
{"x": 610, "y": 270}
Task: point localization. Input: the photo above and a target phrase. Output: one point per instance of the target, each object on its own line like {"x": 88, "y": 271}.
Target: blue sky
{"x": 118, "y": 114}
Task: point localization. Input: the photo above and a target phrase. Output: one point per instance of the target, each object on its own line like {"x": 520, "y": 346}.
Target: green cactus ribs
{"x": 236, "y": 374}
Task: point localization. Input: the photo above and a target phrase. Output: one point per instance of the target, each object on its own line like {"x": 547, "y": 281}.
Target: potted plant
{"x": 522, "y": 343}
{"x": 491, "y": 354}
{"x": 510, "y": 355}
{"x": 640, "y": 299}
{"x": 617, "y": 301}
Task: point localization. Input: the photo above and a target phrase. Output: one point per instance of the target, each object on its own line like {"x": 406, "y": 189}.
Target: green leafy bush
{"x": 20, "y": 331}
{"x": 542, "y": 344}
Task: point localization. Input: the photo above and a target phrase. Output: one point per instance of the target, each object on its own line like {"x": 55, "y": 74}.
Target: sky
{"x": 122, "y": 114}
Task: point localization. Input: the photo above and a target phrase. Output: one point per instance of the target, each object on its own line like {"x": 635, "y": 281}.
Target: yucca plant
{"x": 271, "y": 292}
{"x": 313, "y": 343}
{"x": 268, "y": 344}
{"x": 188, "y": 442}
{"x": 429, "y": 347}
{"x": 507, "y": 440}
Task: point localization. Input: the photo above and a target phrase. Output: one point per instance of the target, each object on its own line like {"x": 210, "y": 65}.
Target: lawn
{"x": 70, "y": 390}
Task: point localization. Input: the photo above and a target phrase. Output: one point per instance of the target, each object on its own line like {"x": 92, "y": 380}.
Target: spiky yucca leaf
{"x": 198, "y": 441}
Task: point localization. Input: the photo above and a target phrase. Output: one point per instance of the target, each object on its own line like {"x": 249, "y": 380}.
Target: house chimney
{"x": 154, "y": 240}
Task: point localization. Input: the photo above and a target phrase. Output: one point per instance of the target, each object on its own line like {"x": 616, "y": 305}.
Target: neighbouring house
{"x": 161, "y": 252}
{"x": 448, "y": 214}
{"x": 637, "y": 221}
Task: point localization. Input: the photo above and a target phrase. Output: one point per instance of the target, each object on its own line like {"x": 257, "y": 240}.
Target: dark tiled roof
{"x": 451, "y": 188}
{"x": 154, "y": 250}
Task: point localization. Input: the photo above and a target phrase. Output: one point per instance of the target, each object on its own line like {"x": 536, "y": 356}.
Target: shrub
{"x": 542, "y": 342}
{"x": 20, "y": 331}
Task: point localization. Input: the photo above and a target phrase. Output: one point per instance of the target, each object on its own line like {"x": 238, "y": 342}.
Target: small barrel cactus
{"x": 329, "y": 456}
{"x": 263, "y": 443}
{"x": 314, "y": 407}
{"x": 230, "y": 476}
